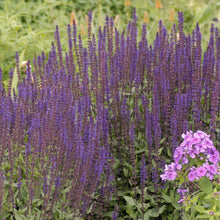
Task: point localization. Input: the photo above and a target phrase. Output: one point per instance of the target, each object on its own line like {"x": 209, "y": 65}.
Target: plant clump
{"x": 88, "y": 131}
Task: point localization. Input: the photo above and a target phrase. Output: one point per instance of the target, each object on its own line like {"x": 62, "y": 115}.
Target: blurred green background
{"x": 28, "y": 25}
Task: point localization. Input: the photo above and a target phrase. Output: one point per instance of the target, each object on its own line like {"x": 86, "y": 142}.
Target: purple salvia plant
{"x": 69, "y": 117}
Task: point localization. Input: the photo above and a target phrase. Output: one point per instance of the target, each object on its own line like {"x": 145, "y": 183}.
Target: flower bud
{"x": 73, "y": 17}
{"x": 117, "y": 17}
{"x": 171, "y": 17}
{"x": 82, "y": 30}
{"x": 158, "y": 4}
{"x": 146, "y": 17}
{"x": 127, "y": 3}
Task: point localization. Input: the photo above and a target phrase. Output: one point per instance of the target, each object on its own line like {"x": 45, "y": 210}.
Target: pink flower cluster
{"x": 198, "y": 147}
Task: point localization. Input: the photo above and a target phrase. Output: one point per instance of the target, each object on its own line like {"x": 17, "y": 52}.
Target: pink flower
{"x": 178, "y": 154}
{"x": 179, "y": 166}
{"x": 212, "y": 169}
{"x": 185, "y": 160}
{"x": 200, "y": 148}
{"x": 170, "y": 167}
{"x": 195, "y": 146}
{"x": 202, "y": 134}
{"x": 188, "y": 137}
{"x": 197, "y": 137}
{"x": 201, "y": 171}
{"x": 214, "y": 158}
{"x": 195, "y": 140}
{"x": 188, "y": 146}
{"x": 210, "y": 176}
{"x": 192, "y": 154}
{"x": 207, "y": 143}
{"x": 163, "y": 176}
{"x": 192, "y": 175}
{"x": 171, "y": 175}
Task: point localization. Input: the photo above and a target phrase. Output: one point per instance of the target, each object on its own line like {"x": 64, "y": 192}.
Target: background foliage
{"x": 28, "y": 25}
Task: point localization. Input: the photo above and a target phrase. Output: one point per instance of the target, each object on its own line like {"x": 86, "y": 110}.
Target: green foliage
{"x": 204, "y": 203}
{"x": 22, "y": 195}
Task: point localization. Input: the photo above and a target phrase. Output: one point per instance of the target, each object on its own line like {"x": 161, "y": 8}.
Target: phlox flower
{"x": 195, "y": 145}
{"x": 192, "y": 138}
{"x": 185, "y": 160}
{"x": 213, "y": 155}
{"x": 179, "y": 166}
{"x": 202, "y": 134}
{"x": 211, "y": 213}
{"x": 178, "y": 154}
{"x": 207, "y": 143}
{"x": 182, "y": 194}
{"x": 170, "y": 171}
{"x": 192, "y": 154}
{"x": 201, "y": 171}
{"x": 192, "y": 175}
{"x": 187, "y": 136}
{"x": 200, "y": 148}
{"x": 195, "y": 139}
{"x": 170, "y": 167}
{"x": 214, "y": 158}
{"x": 163, "y": 176}
{"x": 211, "y": 169}
{"x": 187, "y": 146}
{"x": 171, "y": 175}
{"x": 210, "y": 176}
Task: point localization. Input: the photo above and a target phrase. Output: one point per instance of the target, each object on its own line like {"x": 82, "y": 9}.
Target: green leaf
{"x": 200, "y": 209}
{"x": 185, "y": 216}
{"x": 146, "y": 205}
{"x": 125, "y": 172}
{"x": 161, "y": 209}
{"x": 217, "y": 130}
{"x": 169, "y": 152}
{"x": 146, "y": 216}
{"x": 197, "y": 197}
{"x": 217, "y": 202}
{"x": 129, "y": 200}
{"x": 18, "y": 216}
{"x": 141, "y": 151}
{"x": 160, "y": 151}
{"x": 107, "y": 214}
{"x": 131, "y": 212}
{"x": 162, "y": 140}
{"x": 155, "y": 212}
{"x": 166, "y": 198}
{"x": 217, "y": 213}
{"x": 205, "y": 185}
